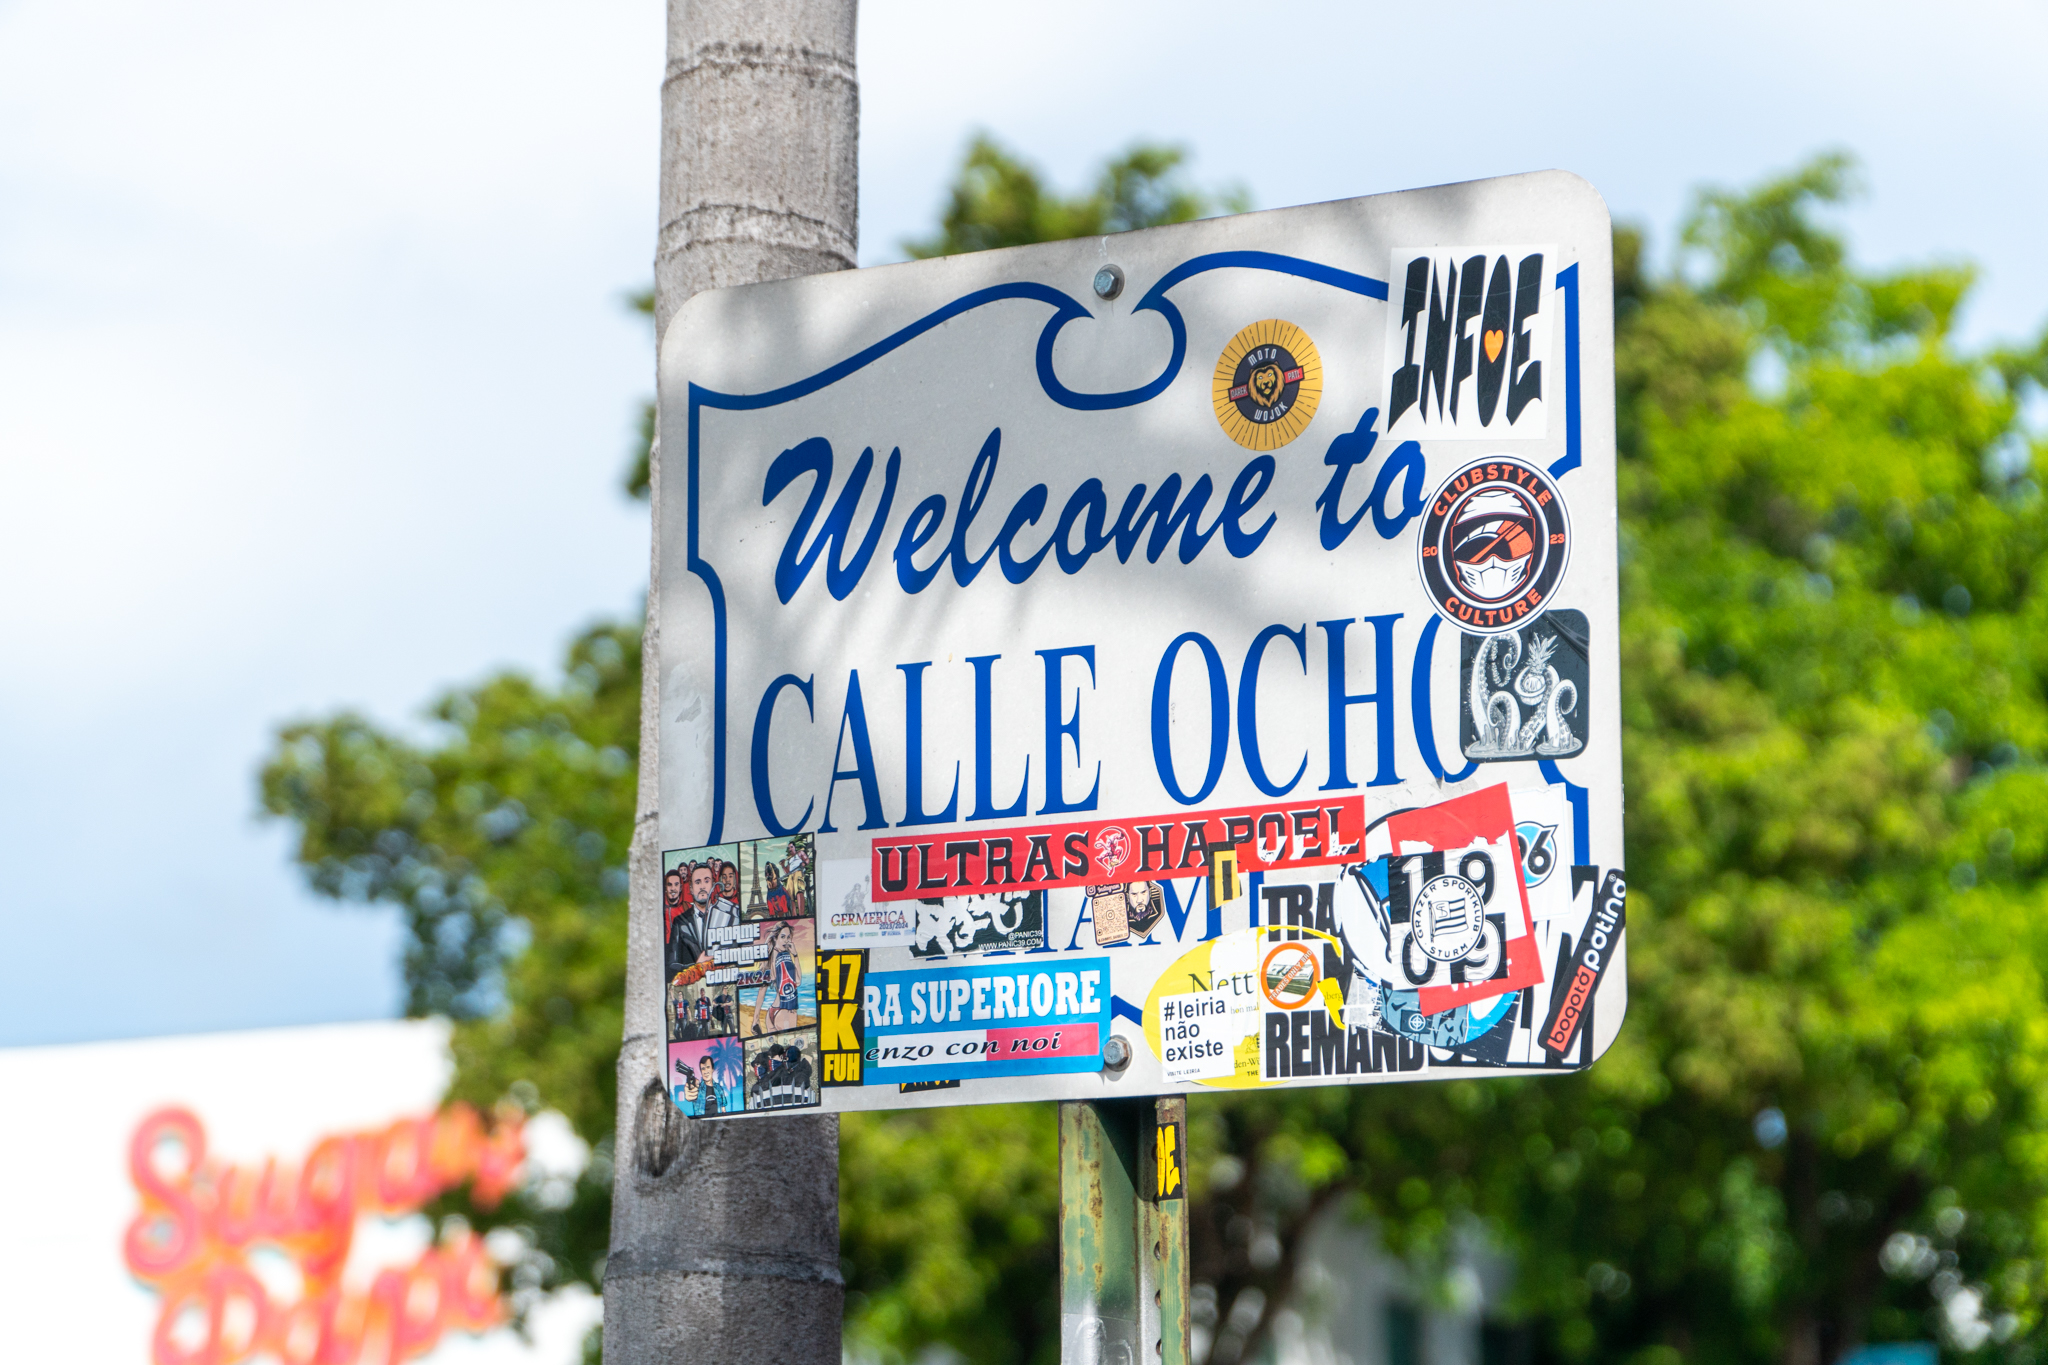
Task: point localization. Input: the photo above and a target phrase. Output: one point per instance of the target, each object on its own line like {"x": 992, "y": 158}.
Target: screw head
{"x": 1109, "y": 282}
{"x": 1116, "y": 1054}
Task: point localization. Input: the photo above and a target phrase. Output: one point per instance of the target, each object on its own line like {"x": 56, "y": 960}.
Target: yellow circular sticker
{"x": 1268, "y": 380}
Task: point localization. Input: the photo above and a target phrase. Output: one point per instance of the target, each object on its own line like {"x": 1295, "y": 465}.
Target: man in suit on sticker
{"x": 675, "y": 892}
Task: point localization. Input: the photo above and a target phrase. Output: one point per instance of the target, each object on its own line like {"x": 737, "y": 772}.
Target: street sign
{"x": 1171, "y": 661}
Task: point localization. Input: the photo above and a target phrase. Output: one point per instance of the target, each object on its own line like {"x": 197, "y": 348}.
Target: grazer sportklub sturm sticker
{"x": 1495, "y": 542}
{"x": 1042, "y": 671}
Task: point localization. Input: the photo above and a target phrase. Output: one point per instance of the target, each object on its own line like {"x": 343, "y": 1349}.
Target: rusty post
{"x": 1123, "y": 1232}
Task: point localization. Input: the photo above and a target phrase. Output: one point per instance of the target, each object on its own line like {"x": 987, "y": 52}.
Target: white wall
{"x": 66, "y": 1116}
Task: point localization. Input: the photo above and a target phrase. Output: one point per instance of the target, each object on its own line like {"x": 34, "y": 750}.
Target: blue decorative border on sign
{"x": 1065, "y": 310}
{"x": 1568, "y": 285}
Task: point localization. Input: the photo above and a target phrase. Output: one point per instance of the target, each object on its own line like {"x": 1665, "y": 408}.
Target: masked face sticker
{"x": 1494, "y": 544}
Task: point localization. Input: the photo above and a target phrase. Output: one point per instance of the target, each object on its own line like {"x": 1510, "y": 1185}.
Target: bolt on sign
{"x": 1176, "y": 660}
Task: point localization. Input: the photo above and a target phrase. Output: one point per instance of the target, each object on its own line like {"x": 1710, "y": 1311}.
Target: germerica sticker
{"x": 991, "y": 1019}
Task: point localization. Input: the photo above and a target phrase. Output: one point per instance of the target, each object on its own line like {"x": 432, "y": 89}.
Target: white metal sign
{"x": 1173, "y": 660}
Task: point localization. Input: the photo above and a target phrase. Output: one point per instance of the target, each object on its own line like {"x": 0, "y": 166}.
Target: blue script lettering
{"x": 814, "y": 457}
{"x": 1349, "y": 451}
{"x": 1082, "y": 530}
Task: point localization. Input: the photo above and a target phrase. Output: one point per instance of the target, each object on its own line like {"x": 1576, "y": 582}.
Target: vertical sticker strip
{"x": 740, "y": 962}
{"x": 842, "y": 1027}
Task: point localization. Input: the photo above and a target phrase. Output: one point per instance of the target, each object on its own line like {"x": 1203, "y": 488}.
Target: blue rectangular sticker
{"x": 989, "y": 1019}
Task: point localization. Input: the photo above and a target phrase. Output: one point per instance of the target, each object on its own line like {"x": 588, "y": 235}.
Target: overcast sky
{"x": 315, "y": 383}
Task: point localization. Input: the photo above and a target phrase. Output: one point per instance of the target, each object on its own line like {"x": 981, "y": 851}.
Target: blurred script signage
{"x": 249, "y": 1259}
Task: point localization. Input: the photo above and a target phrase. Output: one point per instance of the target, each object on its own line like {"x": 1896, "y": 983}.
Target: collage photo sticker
{"x": 740, "y": 959}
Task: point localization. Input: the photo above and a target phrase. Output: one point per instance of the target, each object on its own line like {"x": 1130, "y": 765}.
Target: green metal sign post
{"x": 1124, "y": 1232}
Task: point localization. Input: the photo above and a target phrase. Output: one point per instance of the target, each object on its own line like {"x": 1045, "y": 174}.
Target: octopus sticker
{"x": 1525, "y": 691}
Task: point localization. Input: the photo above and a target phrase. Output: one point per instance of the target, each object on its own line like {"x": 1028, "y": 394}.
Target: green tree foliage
{"x": 1000, "y": 200}
{"x": 1824, "y": 1121}
{"x": 501, "y": 836}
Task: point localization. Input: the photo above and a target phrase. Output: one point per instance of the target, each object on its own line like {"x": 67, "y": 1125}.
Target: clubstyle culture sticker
{"x": 1494, "y": 544}
{"x": 1268, "y": 381}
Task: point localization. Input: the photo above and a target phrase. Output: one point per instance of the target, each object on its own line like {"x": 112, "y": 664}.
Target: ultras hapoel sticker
{"x": 1525, "y": 690}
{"x": 1468, "y": 343}
{"x": 986, "y": 1019}
{"x": 1095, "y": 851}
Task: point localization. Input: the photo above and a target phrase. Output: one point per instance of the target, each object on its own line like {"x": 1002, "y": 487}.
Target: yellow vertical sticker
{"x": 1222, "y": 875}
{"x": 1166, "y": 1162}
{"x": 841, "y": 1027}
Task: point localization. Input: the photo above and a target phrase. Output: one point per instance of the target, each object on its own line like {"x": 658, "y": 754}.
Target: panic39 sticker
{"x": 1268, "y": 380}
{"x": 1494, "y": 544}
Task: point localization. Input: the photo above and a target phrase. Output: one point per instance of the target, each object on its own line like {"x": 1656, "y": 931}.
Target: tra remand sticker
{"x": 1224, "y": 670}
